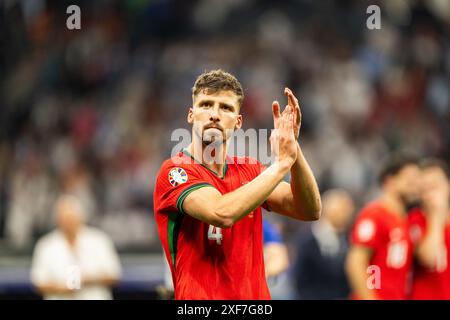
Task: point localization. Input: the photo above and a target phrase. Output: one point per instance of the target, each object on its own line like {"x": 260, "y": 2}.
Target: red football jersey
{"x": 209, "y": 262}
{"x": 429, "y": 284}
{"x": 386, "y": 234}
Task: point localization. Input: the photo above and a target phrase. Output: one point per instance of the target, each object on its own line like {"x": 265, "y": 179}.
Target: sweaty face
{"x": 215, "y": 116}
{"x": 407, "y": 184}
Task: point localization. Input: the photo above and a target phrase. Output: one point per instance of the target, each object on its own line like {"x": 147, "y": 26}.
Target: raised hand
{"x": 435, "y": 203}
{"x": 282, "y": 139}
{"x": 293, "y": 102}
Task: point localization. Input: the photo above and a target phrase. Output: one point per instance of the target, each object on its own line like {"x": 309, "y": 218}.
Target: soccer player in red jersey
{"x": 380, "y": 255}
{"x": 430, "y": 232}
{"x": 207, "y": 204}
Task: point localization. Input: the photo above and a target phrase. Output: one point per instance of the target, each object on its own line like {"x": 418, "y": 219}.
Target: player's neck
{"x": 393, "y": 204}
{"x": 212, "y": 157}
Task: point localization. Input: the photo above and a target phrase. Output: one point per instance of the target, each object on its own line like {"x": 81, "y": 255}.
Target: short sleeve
{"x": 367, "y": 231}
{"x": 173, "y": 184}
{"x": 417, "y": 225}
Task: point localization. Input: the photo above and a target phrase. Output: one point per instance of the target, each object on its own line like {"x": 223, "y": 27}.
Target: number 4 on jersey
{"x": 215, "y": 233}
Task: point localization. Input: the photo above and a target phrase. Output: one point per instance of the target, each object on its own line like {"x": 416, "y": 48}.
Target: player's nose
{"x": 214, "y": 114}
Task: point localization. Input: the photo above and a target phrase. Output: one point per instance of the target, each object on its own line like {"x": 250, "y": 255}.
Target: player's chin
{"x": 213, "y": 141}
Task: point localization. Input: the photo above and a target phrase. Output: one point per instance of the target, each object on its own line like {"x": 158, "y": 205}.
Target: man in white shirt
{"x": 74, "y": 261}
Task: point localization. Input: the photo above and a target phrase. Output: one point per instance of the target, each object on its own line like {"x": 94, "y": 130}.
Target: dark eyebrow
{"x": 205, "y": 101}
{"x": 232, "y": 108}
{"x": 227, "y": 105}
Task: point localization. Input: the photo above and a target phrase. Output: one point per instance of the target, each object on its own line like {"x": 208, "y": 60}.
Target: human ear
{"x": 190, "y": 115}
{"x": 238, "y": 122}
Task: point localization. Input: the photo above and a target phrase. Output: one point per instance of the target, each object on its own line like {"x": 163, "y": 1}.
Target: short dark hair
{"x": 394, "y": 163}
{"x": 429, "y": 163}
{"x": 218, "y": 80}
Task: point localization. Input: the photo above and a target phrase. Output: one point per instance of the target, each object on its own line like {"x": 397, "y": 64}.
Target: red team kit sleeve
{"x": 367, "y": 231}
{"x": 174, "y": 183}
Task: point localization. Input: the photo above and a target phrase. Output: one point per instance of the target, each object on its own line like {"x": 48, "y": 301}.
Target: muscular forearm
{"x": 235, "y": 205}
{"x": 305, "y": 192}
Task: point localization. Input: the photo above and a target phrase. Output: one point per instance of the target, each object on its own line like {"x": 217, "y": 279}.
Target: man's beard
{"x": 212, "y": 140}
{"x": 212, "y": 149}
{"x": 216, "y": 138}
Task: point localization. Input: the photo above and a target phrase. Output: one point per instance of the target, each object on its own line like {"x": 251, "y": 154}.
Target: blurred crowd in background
{"x": 90, "y": 112}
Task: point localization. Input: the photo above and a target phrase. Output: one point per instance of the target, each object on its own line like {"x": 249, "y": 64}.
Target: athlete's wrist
{"x": 282, "y": 166}
{"x": 298, "y": 159}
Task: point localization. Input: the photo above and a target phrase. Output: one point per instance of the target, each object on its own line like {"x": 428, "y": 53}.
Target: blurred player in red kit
{"x": 379, "y": 260}
{"x": 430, "y": 232}
{"x": 207, "y": 204}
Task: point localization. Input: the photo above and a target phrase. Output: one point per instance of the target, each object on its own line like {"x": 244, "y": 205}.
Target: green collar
{"x": 225, "y": 167}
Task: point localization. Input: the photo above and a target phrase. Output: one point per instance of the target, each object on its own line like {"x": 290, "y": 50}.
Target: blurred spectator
{"x": 430, "y": 232}
{"x": 319, "y": 269}
{"x": 75, "y": 261}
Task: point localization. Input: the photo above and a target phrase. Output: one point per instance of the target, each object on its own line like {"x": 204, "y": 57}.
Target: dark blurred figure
{"x": 430, "y": 232}
{"x": 75, "y": 261}
{"x": 319, "y": 269}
